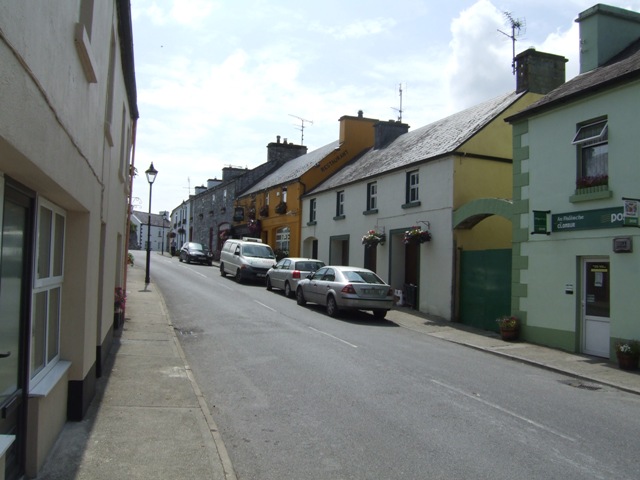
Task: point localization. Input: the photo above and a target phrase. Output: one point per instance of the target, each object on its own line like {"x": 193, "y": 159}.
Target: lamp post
{"x": 164, "y": 220}
{"x": 151, "y": 174}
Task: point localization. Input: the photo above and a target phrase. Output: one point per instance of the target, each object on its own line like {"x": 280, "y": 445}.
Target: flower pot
{"x": 509, "y": 334}
{"x": 627, "y": 361}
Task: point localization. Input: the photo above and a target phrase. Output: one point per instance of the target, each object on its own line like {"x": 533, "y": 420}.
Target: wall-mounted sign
{"x": 631, "y": 212}
{"x": 541, "y": 222}
{"x": 588, "y": 219}
{"x": 622, "y": 245}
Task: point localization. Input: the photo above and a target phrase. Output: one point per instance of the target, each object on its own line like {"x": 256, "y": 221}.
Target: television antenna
{"x": 518, "y": 25}
{"x": 399, "y": 110}
{"x": 301, "y": 127}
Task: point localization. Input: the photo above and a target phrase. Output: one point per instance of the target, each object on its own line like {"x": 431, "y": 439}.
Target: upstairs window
{"x": 372, "y": 196}
{"x": 312, "y": 210}
{"x": 340, "y": 204}
{"x": 592, "y": 143}
{"x": 413, "y": 184}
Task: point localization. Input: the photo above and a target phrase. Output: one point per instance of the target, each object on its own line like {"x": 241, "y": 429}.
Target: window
{"x": 372, "y": 196}
{"x": 413, "y": 181}
{"x": 592, "y": 143}
{"x": 340, "y": 204}
{"x": 47, "y": 292}
{"x": 282, "y": 240}
{"x": 312, "y": 210}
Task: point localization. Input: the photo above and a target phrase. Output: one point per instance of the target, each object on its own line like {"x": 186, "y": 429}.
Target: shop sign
{"x": 631, "y": 212}
{"x": 588, "y": 219}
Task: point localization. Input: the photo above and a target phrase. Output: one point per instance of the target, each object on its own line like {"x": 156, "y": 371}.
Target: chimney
{"x": 387, "y": 132}
{"x": 539, "y": 72}
{"x": 359, "y": 126}
{"x": 283, "y": 152}
{"x": 200, "y": 189}
{"x": 232, "y": 172}
{"x": 605, "y": 31}
{"x": 213, "y": 182}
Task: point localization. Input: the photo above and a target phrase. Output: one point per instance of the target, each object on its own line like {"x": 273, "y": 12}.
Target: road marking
{"x": 504, "y": 410}
{"x": 334, "y": 337}
{"x": 265, "y": 306}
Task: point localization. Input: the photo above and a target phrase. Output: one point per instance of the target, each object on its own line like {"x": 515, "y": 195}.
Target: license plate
{"x": 261, "y": 275}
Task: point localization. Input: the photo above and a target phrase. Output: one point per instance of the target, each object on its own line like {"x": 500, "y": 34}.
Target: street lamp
{"x": 151, "y": 174}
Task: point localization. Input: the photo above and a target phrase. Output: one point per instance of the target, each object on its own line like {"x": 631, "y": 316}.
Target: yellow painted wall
{"x": 356, "y": 135}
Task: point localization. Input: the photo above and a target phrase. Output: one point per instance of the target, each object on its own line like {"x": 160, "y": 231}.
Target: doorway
{"x": 595, "y": 306}
{"x": 14, "y": 282}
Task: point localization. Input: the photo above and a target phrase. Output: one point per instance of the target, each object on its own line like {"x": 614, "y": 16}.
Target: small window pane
{"x": 592, "y": 132}
{"x": 38, "y": 332}
{"x": 44, "y": 243}
{"x": 53, "y": 324}
{"x": 58, "y": 246}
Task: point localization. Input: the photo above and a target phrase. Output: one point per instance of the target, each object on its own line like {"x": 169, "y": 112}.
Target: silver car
{"x": 286, "y": 274}
{"x": 348, "y": 288}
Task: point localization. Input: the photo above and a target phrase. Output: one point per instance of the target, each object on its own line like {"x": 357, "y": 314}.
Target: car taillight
{"x": 390, "y": 292}
{"x": 348, "y": 289}
{"x": 296, "y": 274}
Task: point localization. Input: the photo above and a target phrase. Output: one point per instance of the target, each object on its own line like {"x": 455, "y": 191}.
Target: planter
{"x": 627, "y": 361}
{"x": 509, "y": 334}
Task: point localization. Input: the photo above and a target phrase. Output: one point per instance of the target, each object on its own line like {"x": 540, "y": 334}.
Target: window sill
{"x": 339, "y": 217}
{"x": 412, "y": 204}
{"x": 311, "y": 224}
{"x": 50, "y": 380}
{"x": 373, "y": 211}
{"x": 592, "y": 193}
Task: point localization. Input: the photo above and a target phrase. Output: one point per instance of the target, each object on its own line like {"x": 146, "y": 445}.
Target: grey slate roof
{"x": 431, "y": 141}
{"x": 623, "y": 67}
{"x": 293, "y": 169}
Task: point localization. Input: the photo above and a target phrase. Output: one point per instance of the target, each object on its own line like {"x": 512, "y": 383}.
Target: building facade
{"x": 440, "y": 196}
{"x": 67, "y": 127}
{"x": 575, "y": 196}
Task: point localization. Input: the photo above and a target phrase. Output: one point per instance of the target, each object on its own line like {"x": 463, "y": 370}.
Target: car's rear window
{"x": 309, "y": 266}
{"x": 358, "y": 276}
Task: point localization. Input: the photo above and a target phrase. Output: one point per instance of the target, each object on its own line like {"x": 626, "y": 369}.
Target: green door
{"x": 485, "y": 287}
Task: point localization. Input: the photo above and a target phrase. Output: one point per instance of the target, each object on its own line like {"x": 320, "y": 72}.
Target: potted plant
{"x": 373, "y": 238}
{"x": 120, "y": 298}
{"x": 628, "y": 353}
{"x": 416, "y": 235}
{"x": 509, "y": 326}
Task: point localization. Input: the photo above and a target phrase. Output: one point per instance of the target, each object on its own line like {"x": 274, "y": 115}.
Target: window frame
{"x": 49, "y": 284}
{"x": 372, "y": 196}
{"x": 413, "y": 187}
{"x": 591, "y": 135}
{"x": 340, "y": 204}
{"x": 313, "y": 206}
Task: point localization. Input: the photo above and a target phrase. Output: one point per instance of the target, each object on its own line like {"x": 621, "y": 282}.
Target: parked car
{"x": 195, "y": 252}
{"x": 348, "y": 288}
{"x": 286, "y": 274}
{"x": 248, "y": 258}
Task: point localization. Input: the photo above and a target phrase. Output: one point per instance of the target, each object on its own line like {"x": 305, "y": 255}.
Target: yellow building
{"x": 272, "y": 210}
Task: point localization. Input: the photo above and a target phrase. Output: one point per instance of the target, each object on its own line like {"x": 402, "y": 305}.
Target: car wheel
{"x": 222, "y": 272}
{"x": 180, "y": 258}
{"x": 287, "y": 290}
{"x": 269, "y": 286}
{"x": 379, "y": 314}
{"x": 332, "y": 307}
{"x": 300, "y": 297}
{"x": 238, "y": 276}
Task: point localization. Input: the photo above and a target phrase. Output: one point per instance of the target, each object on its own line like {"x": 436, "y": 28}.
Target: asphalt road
{"x": 299, "y": 395}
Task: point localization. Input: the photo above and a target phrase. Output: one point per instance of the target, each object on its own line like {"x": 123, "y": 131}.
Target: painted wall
{"x": 546, "y": 264}
{"x": 59, "y": 139}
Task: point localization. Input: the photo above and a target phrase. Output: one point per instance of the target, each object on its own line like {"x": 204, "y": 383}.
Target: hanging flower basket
{"x": 416, "y": 235}
{"x": 373, "y": 239}
{"x": 252, "y": 213}
{"x": 181, "y": 230}
{"x": 281, "y": 208}
{"x": 264, "y": 211}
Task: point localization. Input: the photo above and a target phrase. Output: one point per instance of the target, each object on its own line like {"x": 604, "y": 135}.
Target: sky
{"x": 218, "y": 80}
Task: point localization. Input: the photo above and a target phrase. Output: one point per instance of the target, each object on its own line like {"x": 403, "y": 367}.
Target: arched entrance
{"x": 483, "y": 271}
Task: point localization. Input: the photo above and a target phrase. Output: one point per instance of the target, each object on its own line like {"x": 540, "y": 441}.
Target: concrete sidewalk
{"x": 149, "y": 419}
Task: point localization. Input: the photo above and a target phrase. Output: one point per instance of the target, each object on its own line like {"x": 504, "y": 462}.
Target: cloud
{"x": 358, "y": 29}
{"x": 187, "y": 13}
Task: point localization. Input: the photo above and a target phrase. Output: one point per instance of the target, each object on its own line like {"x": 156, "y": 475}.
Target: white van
{"x": 248, "y": 258}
